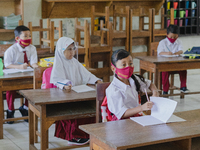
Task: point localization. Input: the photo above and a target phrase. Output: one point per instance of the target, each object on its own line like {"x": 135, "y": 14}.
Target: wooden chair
{"x": 158, "y": 34}
{"x": 45, "y": 51}
{"x": 120, "y": 36}
{"x": 91, "y": 54}
{"x": 141, "y": 36}
{"x": 153, "y": 52}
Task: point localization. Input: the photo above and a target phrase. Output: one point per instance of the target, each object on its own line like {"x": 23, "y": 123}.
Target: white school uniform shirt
{"x": 165, "y": 45}
{"x": 14, "y": 54}
{"x": 121, "y": 97}
{"x": 69, "y": 71}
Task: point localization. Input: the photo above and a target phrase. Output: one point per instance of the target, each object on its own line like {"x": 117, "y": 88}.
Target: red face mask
{"x": 124, "y": 72}
{"x": 25, "y": 43}
{"x": 171, "y": 40}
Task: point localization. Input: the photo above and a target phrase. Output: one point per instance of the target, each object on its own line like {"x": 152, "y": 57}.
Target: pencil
{"x": 63, "y": 83}
{"x": 146, "y": 95}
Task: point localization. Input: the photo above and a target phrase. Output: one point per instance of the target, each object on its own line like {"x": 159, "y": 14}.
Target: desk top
{"x": 157, "y": 60}
{"x": 17, "y": 75}
{"x": 55, "y": 96}
{"x": 125, "y": 134}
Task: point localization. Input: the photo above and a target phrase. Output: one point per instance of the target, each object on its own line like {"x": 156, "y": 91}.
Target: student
{"x": 19, "y": 56}
{"x": 68, "y": 72}
{"x": 122, "y": 93}
{"x": 171, "y": 45}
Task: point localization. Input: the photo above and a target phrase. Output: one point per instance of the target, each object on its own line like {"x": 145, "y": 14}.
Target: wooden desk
{"x": 124, "y": 134}
{"x": 55, "y": 104}
{"x": 157, "y": 65}
{"x": 16, "y": 81}
{"x": 82, "y": 8}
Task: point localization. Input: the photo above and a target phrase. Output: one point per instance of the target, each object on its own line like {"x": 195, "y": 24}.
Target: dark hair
{"x": 19, "y": 29}
{"x": 172, "y": 29}
{"x": 121, "y": 54}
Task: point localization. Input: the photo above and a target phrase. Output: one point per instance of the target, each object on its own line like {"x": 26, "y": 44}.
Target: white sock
{"x": 9, "y": 110}
{"x": 25, "y": 107}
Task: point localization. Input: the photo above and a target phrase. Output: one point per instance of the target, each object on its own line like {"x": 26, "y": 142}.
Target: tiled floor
{"x": 16, "y": 135}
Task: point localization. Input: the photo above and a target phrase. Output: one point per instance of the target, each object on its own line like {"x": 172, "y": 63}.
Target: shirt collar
{"x": 20, "y": 48}
{"x": 121, "y": 84}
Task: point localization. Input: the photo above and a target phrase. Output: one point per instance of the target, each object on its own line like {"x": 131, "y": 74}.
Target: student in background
{"x": 122, "y": 93}
{"x": 67, "y": 72}
{"x": 19, "y": 56}
{"x": 171, "y": 45}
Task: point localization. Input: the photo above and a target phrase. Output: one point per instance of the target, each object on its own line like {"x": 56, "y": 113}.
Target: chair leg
{"x": 172, "y": 84}
{"x": 21, "y": 101}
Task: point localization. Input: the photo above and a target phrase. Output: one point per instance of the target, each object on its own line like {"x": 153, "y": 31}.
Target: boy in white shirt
{"x": 171, "y": 45}
{"x": 19, "y": 56}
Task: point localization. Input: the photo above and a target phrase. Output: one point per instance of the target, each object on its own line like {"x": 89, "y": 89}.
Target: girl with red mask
{"x": 122, "y": 93}
{"x": 171, "y": 45}
{"x": 19, "y": 56}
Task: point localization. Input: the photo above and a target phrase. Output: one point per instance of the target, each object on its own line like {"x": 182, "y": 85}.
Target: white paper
{"x": 10, "y": 71}
{"x": 161, "y": 112}
{"x": 169, "y": 55}
{"x": 82, "y": 88}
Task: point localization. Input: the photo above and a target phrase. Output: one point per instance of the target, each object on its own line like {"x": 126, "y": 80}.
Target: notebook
{"x": 161, "y": 112}
{"x": 82, "y": 88}
{"x": 10, "y": 71}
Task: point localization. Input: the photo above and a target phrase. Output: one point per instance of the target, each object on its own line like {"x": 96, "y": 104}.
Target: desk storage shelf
{"x": 186, "y": 15}
{"x": 8, "y": 7}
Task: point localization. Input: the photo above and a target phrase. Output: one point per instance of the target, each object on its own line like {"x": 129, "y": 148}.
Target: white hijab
{"x": 65, "y": 70}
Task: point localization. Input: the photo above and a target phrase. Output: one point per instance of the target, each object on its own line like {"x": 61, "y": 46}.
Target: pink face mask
{"x": 124, "y": 72}
{"x": 171, "y": 40}
{"x": 25, "y": 43}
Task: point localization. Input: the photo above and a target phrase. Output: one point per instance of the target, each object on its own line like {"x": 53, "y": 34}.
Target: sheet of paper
{"x": 82, "y": 88}
{"x": 169, "y": 55}
{"x": 161, "y": 112}
{"x": 10, "y": 71}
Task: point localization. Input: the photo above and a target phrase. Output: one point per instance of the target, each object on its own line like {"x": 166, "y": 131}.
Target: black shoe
{"x": 24, "y": 112}
{"x": 78, "y": 141}
{"x": 165, "y": 93}
{"x": 184, "y": 90}
{"x": 10, "y": 114}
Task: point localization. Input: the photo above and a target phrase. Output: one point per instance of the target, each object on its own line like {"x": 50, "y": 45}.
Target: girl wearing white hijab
{"x": 67, "y": 72}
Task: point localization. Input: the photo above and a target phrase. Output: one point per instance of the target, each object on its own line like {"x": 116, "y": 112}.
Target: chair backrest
{"x": 101, "y": 93}
{"x": 94, "y": 15}
{"x": 37, "y": 77}
{"x": 153, "y": 50}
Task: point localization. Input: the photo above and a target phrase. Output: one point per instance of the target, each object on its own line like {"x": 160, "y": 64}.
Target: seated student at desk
{"x": 171, "y": 45}
{"x": 68, "y": 72}
{"x": 122, "y": 94}
{"x": 19, "y": 56}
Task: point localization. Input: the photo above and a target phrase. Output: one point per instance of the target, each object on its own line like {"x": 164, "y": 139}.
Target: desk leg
{"x": 1, "y": 115}
{"x": 44, "y": 129}
{"x": 184, "y": 144}
{"x": 31, "y": 128}
{"x": 157, "y": 78}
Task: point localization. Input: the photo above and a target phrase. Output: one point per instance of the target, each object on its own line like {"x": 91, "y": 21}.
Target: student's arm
{"x": 154, "y": 89}
{"x": 34, "y": 65}
{"x": 132, "y": 111}
{"x": 166, "y": 53}
{"x": 179, "y": 52}
{"x": 22, "y": 66}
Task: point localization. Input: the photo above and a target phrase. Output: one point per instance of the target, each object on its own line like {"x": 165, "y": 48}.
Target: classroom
{"x": 87, "y": 37}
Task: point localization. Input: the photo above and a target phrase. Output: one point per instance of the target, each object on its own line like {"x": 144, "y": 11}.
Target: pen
{"x": 63, "y": 83}
{"x": 168, "y": 48}
{"x": 20, "y": 63}
{"x": 146, "y": 94}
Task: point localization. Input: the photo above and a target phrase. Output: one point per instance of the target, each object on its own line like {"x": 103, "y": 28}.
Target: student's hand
{"x": 155, "y": 93}
{"x": 68, "y": 88}
{"x": 170, "y": 53}
{"x": 23, "y": 66}
{"x": 98, "y": 81}
{"x": 147, "y": 106}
